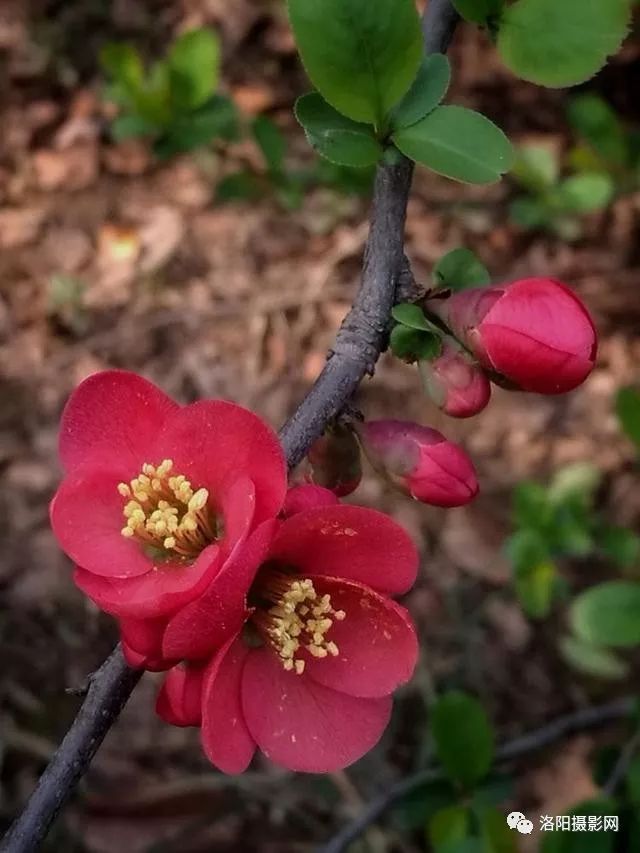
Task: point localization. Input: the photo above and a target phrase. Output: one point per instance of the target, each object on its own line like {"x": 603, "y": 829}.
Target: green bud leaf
{"x": 460, "y": 269}
{"x": 194, "y": 68}
{"x": 412, "y": 316}
{"x": 463, "y": 737}
{"x": 458, "y": 143}
{"x": 608, "y": 614}
{"x": 426, "y": 92}
{"x": 561, "y": 43}
{"x": 362, "y": 56}
{"x": 334, "y": 136}
{"x": 414, "y": 345}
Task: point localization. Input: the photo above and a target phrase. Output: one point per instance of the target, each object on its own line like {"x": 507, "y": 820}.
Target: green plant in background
{"x": 173, "y": 102}
{"x": 554, "y": 203}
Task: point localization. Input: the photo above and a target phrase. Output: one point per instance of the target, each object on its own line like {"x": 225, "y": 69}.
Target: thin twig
{"x": 358, "y": 345}
{"x": 585, "y": 718}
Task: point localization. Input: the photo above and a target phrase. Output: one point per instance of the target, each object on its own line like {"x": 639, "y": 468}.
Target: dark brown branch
{"x": 579, "y": 721}
{"x": 355, "y": 352}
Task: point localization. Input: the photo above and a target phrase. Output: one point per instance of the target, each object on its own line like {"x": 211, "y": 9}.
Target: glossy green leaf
{"x": 412, "y": 316}
{"x": 536, "y": 167}
{"x": 460, "y": 269}
{"x": 592, "y": 660}
{"x": 561, "y": 42}
{"x": 608, "y": 614}
{"x": 463, "y": 736}
{"x": 426, "y": 92}
{"x": 585, "y": 193}
{"x": 458, "y": 143}
{"x": 450, "y": 824}
{"x": 597, "y": 123}
{"x": 194, "y": 67}
{"x": 334, "y": 136}
{"x": 362, "y": 56}
{"x": 628, "y": 412}
{"x": 271, "y": 142}
{"x": 414, "y": 345}
{"x": 478, "y": 11}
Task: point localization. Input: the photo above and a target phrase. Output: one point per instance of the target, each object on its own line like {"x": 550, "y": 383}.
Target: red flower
{"x": 304, "y": 497}
{"x": 158, "y": 497}
{"x": 535, "y": 333}
{"x": 455, "y": 382}
{"x": 307, "y": 675}
{"x": 420, "y": 462}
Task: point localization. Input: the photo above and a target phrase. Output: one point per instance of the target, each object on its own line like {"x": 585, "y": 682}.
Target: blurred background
{"x": 208, "y": 248}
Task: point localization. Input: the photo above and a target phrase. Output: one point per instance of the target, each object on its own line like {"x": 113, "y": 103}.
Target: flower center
{"x": 299, "y": 618}
{"x": 165, "y": 514}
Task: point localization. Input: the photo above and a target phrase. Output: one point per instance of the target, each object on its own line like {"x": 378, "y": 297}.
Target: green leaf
{"x": 460, "y": 269}
{"x": 628, "y": 412}
{"x": 620, "y": 545}
{"x": 426, "y": 92}
{"x": 529, "y": 213}
{"x": 412, "y": 316}
{"x": 215, "y": 120}
{"x": 458, "y": 143}
{"x": 585, "y": 193}
{"x": 448, "y": 825}
{"x": 576, "y": 483}
{"x": 362, "y": 56}
{"x": 339, "y": 139}
{"x": 608, "y": 614}
{"x": 414, "y": 345}
{"x": 531, "y": 505}
{"x": 194, "y": 67}
{"x": 561, "y": 43}
{"x": 597, "y": 123}
{"x": 123, "y": 64}
{"x": 130, "y": 126}
{"x": 495, "y": 832}
{"x": 592, "y": 660}
{"x": 478, "y": 11}
{"x": 271, "y": 142}
{"x": 535, "y": 574}
{"x": 536, "y": 167}
{"x": 463, "y": 737}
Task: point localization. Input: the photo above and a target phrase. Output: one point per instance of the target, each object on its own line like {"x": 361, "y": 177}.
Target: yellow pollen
{"x": 163, "y": 511}
{"x": 299, "y": 619}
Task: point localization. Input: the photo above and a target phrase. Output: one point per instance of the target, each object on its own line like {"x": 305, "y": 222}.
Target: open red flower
{"x": 157, "y": 497}
{"x": 307, "y": 676}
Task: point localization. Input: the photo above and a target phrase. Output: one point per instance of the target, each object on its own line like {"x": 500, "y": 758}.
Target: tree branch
{"x": 358, "y": 345}
{"x": 578, "y": 721}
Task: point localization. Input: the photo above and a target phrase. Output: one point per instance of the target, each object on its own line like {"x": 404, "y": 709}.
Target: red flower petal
{"x": 111, "y": 420}
{"x": 303, "y": 725}
{"x": 214, "y": 441}
{"x": 377, "y": 643}
{"x": 300, "y": 498}
{"x": 179, "y": 701}
{"x": 349, "y": 542}
{"x": 86, "y": 516}
{"x": 206, "y": 623}
{"x": 226, "y": 740}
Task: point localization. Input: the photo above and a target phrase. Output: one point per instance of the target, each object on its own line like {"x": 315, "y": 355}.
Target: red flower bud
{"x": 420, "y": 462}
{"x": 535, "y": 333}
{"x": 334, "y": 461}
{"x": 455, "y": 382}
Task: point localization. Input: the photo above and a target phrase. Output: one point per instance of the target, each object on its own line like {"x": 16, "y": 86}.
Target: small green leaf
{"x": 448, "y": 825}
{"x": 628, "y": 412}
{"x": 535, "y": 574}
{"x": 585, "y": 193}
{"x": 271, "y": 142}
{"x": 413, "y": 345}
{"x": 215, "y": 120}
{"x": 531, "y": 505}
{"x": 536, "y": 167}
{"x": 123, "y": 64}
{"x": 194, "y": 67}
{"x": 463, "y": 737}
{"x": 426, "y": 92}
{"x": 529, "y": 213}
{"x": 592, "y": 660}
{"x": 575, "y": 483}
{"x": 597, "y": 123}
{"x": 561, "y": 43}
{"x": 458, "y": 143}
{"x": 608, "y": 614}
{"x": 131, "y": 126}
{"x": 620, "y": 545}
{"x": 478, "y": 11}
{"x": 361, "y": 56}
{"x": 334, "y": 136}
{"x": 460, "y": 269}
{"x": 412, "y": 316}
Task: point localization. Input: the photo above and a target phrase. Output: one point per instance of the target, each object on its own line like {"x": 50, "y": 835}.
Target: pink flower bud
{"x": 420, "y": 462}
{"x": 334, "y": 461}
{"x": 535, "y": 333}
{"x": 455, "y": 382}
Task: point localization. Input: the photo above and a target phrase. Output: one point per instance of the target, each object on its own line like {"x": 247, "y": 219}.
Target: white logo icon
{"x": 517, "y": 821}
